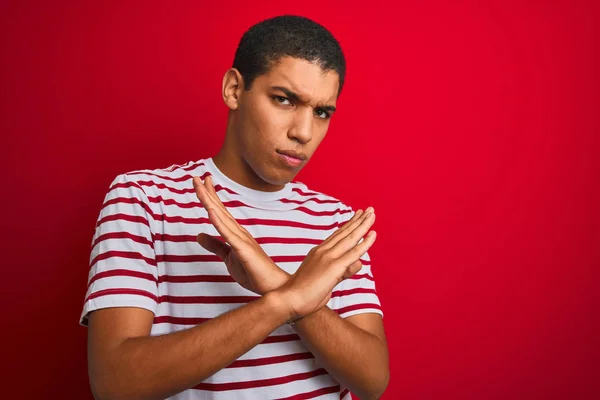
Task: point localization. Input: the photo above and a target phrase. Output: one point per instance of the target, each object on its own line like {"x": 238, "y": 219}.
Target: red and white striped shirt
{"x": 144, "y": 254}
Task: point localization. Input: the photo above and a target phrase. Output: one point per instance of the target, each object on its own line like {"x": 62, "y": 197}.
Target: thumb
{"x": 352, "y": 269}
{"x": 213, "y": 245}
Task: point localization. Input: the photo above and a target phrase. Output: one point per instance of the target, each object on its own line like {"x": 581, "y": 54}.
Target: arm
{"x": 126, "y": 363}
{"x": 353, "y": 350}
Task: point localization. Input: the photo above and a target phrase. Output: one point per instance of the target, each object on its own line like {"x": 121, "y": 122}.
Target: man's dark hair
{"x": 265, "y": 43}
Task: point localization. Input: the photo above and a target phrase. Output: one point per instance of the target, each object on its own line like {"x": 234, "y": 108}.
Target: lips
{"x": 293, "y": 154}
{"x": 292, "y": 159}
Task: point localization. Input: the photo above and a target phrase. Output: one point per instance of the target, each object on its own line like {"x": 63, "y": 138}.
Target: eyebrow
{"x": 296, "y": 97}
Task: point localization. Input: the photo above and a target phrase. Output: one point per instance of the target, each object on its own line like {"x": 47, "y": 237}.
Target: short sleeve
{"x": 357, "y": 294}
{"x": 123, "y": 270}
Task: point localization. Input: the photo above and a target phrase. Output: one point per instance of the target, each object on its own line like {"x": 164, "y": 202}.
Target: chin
{"x": 279, "y": 179}
{"x": 277, "y": 176}
{"x": 271, "y": 173}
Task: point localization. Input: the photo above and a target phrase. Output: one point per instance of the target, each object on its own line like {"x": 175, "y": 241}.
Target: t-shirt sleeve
{"x": 123, "y": 271}
{"x": 357, "y": 294}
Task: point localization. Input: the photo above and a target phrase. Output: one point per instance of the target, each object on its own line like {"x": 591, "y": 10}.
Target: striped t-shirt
{"x": 144, "y": 254}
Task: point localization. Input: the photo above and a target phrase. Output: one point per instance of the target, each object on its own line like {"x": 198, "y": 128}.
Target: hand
{"x": 246, "y": 261}
{"x": 327, "y": 264}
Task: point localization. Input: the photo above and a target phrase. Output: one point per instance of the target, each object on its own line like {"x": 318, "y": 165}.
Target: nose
{"x": 302, "y": 126}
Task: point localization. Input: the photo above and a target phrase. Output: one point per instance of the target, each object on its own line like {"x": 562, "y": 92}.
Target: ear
{"x": 233, "y": 84}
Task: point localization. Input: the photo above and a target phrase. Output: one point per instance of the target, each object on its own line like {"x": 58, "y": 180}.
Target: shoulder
{"x": 175, "y": 179}
{"x": 173, "y": 173}
{"x": 336, "y": 207}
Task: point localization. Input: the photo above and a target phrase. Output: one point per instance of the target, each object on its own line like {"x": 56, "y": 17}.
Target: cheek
{"x": 263, "y": 126}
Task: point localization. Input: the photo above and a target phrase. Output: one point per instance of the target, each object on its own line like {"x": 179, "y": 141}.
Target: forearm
{"x": 354, "y": 357}
{"x": 157, "y": 367}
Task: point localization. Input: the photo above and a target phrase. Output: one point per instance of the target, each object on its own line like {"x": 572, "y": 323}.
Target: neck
{"x": 232, "y": 165}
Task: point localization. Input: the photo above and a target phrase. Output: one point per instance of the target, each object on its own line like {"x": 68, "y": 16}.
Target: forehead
{"x": 306, "y": 79}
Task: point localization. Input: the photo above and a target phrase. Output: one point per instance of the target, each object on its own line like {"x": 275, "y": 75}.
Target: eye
{"x": 322, "y": 114}
{"x": 282, "y": 100}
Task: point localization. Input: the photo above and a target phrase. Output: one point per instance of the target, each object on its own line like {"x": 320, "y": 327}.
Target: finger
{"x": 229, "y": 219}
{"x": 352, "y": 238}
{"x": 213, "y": 245}
{"x": 210, "y": 188}
{"x": 208, "y": 182}
{"x": 203, "y": 194}
{"x": 341, "y": 264}
{"x": 205, "y": 198}
{"x": 333, "y": 237}
{"x": 353, "y": 227}
{"x": 358, "y": 251}
{"x": 226, "y": 232}
{"x": 216, "y": 202}
{"x": 357, "y": 215}
{"x": 200, "y": 193}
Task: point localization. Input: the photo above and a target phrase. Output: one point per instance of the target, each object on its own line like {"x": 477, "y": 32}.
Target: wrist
{"x": 301, "y": 321}
{"x": 273, "y": 280}
{"x": 293, "y": 321}
{"x": 280, "y": 278}
{"x": 277, "y": 307}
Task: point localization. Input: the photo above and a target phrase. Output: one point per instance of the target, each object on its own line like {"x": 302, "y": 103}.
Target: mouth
{"x": 292, "y": 158}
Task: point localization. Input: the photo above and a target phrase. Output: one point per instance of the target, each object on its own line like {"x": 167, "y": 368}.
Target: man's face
{"x": 286, "y": 111}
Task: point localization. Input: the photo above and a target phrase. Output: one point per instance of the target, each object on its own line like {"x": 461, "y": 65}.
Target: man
{"x": 225, "y": 279}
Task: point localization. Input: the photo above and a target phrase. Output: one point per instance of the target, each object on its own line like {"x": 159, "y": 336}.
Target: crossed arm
{"x": 126, "y": 363}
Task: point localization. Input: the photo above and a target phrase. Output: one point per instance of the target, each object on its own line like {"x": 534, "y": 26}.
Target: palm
{"x": 236, "y": 270}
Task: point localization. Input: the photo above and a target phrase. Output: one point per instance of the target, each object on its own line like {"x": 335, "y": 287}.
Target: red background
{"x": 472, "y": 129}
